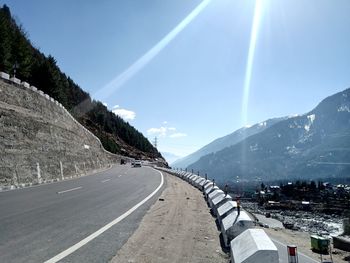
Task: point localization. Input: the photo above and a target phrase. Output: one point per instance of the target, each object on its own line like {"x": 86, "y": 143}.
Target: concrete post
{"x": 346, "y": 226}
{"x": 84, "y": 168}
{"x": 61, "y": 170}
{"x": 76, "y": 169}
{"x": 38, "y": 173}
{"x": 292, "y": 254}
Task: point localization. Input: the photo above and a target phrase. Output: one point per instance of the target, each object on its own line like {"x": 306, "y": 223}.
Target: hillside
{"x": 226, "y": 141}
{"x": 314, "y": 145}
{"x": 19, "y": 57}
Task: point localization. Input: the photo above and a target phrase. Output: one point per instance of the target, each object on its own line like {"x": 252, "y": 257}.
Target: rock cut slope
{"x": 40, "y": 141}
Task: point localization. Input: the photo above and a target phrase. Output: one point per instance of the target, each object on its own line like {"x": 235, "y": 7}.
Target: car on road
{"x": 137, "y": 163}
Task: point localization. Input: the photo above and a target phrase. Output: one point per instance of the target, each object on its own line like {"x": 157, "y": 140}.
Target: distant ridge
{"x": 311, "y": 146}
{"x": 225, "y": 141}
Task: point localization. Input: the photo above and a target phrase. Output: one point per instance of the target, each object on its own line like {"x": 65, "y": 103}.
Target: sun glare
{"x": 119, "y": 80}
{"x": 250, "y": 60}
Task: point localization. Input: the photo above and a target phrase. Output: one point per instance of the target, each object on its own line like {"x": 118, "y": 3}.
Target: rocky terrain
{"x": 315, "y": 223}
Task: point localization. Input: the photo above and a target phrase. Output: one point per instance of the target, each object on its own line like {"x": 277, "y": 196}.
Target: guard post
{"x": 292, "y": 254}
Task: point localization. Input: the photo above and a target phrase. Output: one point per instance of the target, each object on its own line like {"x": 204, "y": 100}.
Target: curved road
{"x": 38, "y": 223}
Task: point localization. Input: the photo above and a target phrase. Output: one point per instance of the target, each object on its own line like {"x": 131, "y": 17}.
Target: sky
{"x": 190, "y": 71}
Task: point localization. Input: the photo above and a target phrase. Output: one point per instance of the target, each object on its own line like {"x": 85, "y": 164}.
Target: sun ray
{"x": 122, "y": 78}
{"x": 250, "y": 60}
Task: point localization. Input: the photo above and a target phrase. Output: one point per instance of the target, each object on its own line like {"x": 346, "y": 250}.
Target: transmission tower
{"x": 155, "y": 142}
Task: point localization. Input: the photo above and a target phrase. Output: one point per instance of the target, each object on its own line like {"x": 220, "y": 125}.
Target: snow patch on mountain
{"x": 254, "y": 147}
{"x": 292, "y": 150}
{"x": 310, "y": 119}
{"x": 344, "y": 108}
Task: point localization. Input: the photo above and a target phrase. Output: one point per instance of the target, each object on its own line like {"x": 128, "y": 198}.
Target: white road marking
{"x": 69, "y": 190}
{"x": 86, "y": 240}
{"x": 105, "y": 180}
{"x": 282, "y": 244}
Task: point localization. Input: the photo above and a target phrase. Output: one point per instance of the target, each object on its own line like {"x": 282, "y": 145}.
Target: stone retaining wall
{"x": 40, "y": 141}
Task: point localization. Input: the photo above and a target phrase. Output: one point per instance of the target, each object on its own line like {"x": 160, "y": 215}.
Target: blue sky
{"x": 191, "y": 92}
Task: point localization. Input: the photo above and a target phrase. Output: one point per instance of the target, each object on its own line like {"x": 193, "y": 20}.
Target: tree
{"x": 43, "y": 72}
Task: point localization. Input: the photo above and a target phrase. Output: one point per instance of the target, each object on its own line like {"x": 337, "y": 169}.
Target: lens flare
{"x": 118, "y": 81}
{"x": 250, "y": 60}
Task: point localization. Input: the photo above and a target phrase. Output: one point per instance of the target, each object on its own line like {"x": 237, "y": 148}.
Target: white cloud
{"x": 105, "y": 104}
{"x": 115, "y": 106}
{"x": 123, "y": 113}
{"x": 162, "y": 131}
{"x": 165, "y": 122}
{"x": 178, "y": 135}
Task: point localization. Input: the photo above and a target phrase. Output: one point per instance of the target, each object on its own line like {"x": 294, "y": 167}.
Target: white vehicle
{"x": 137, "y": 163}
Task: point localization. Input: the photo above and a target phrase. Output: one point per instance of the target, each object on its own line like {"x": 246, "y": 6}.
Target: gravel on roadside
{"x": 177, "y": 228}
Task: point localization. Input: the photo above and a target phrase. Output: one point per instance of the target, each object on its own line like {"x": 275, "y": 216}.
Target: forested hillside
{"x": 17, "y": 55}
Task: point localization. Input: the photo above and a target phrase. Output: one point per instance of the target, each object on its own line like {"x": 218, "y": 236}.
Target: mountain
{"x": 224, "y": 142}
{"x": 170, "y": 157}
{"x": 314, "y": 145}
{"x": 19, "y": 57}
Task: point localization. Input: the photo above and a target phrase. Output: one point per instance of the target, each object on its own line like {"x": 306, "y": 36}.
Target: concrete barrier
{"x": 25, "y": 84}
{"x": 15, "y": 80}
{"x": 225, "y": 209}
{"x": 248, "y": 245}
{"x": 207, "y": 184}
{"x": 198, "y": 181}
{"x": 209, "y": 190}
{"x": 192, "y": 179}
{"x": 4, "y": 75}
{"x": 184, "y": 175}
{"x": 213, "y": 195}
{"x": 341, "y": 243}
{"x": 218, "y": 201}
{"x": 187, "y": 176}
{"x": 203, "y": 183}
{"x": 253, "y": 245}
{"x": 235, "y": 224}
{"x": 33, "y": 88}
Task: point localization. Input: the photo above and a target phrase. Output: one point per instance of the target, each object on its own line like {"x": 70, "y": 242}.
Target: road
{"x": 39, "y": 223}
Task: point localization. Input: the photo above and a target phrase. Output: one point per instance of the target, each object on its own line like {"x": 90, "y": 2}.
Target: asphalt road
{"x": 38, "y": 223}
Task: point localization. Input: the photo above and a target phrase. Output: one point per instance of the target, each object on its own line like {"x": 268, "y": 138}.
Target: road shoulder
{"x": 177, "y": 228}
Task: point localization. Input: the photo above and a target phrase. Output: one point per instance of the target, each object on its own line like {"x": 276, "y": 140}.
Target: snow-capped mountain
{"x": 313, "y": 145}
{"x": 226, "y": 141}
